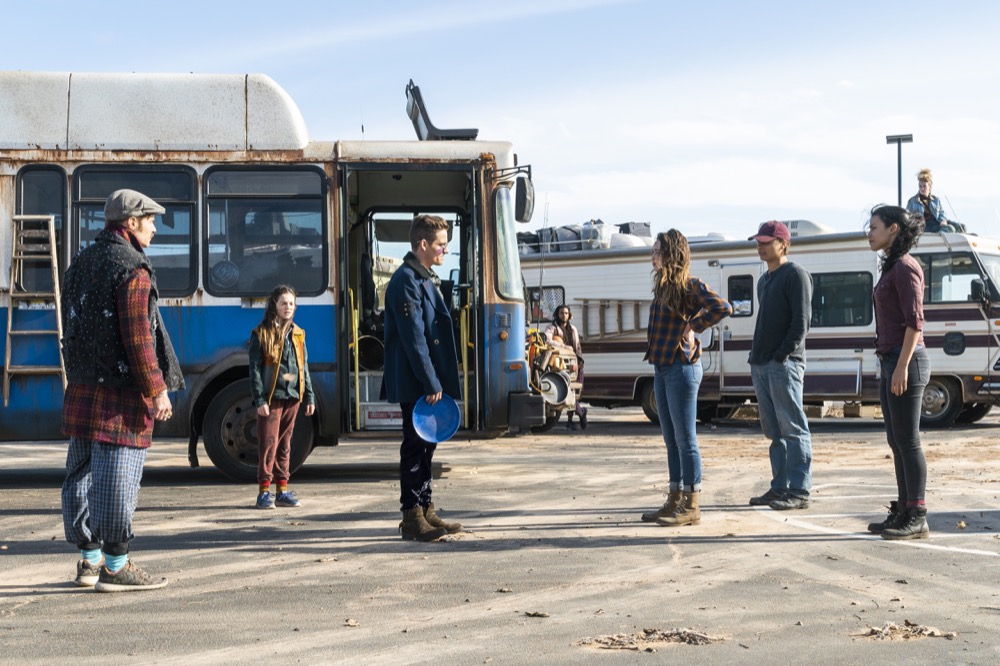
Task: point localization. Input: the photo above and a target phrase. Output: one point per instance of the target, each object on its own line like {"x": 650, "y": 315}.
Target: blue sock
{"x": 115, "y": 563}
{"x": 92, "y": 556}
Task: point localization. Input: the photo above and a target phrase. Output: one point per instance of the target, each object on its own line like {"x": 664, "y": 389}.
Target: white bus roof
{"x": 88, "y": 111}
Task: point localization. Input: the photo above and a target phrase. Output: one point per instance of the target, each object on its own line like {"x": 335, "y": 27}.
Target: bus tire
{"x": 230, "y": 434}
{"x": 550, "y": 422}
{"x": 648, "y": 401}
{"x": 974, "y": 412}
{"x": 942, "y": 402}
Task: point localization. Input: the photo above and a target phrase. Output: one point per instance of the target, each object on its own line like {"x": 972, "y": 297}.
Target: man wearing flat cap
{"x": 778, "y": 366}
{"x": 120, "y": 365}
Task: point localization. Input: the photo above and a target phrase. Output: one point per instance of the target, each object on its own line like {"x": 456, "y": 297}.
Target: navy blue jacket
{"x": 420, "y": 352}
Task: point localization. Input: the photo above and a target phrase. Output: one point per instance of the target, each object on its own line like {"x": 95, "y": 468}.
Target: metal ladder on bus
{"x": 33, "y": 243}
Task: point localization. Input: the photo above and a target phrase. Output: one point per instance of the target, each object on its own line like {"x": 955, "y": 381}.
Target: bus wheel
{"x": 974, "y": 412}
{"x": 648, "y": 402}
{"x": 942, "y": 403}
{"x": 550, "y": 422}
{"x": 230, "y": 433}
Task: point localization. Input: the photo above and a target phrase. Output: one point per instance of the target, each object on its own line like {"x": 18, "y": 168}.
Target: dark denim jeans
{"x": 902, "y": 421}
{"x": 778, "y": 386}
{"x": 676, "y": 389}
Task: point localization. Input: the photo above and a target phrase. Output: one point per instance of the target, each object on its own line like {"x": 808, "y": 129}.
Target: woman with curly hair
{"x": 279, "y": 383}
{"x": 904, "y": 366}
{"x": 682, "y": 306}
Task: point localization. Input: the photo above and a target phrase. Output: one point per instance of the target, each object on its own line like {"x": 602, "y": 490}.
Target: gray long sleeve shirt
{"x": 785, "y": 310}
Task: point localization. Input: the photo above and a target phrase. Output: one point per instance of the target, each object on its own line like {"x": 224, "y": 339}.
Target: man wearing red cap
{"x": 777, "y": 367}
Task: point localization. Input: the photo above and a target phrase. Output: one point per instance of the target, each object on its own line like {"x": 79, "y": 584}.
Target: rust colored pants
{"x": 274, "y": 441}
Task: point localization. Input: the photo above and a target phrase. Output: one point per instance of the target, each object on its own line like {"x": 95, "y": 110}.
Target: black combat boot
{"x": 894, "y": 519}
{"x": 913, "y": 526}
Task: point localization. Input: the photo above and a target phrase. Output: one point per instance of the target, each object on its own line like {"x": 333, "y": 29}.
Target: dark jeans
{"x": 415, "y": 455}
{"x": 902, "y": 422}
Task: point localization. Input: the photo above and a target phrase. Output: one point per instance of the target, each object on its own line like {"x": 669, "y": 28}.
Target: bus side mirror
{"x": 978, "y": 291}
{"x": 524, "y": 199}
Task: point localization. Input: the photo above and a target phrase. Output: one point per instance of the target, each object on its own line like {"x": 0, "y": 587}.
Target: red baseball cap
{"x": 771, "y": 230}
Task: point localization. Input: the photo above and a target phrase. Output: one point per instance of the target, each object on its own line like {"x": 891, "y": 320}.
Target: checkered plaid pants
{"x": 100, "y": 493}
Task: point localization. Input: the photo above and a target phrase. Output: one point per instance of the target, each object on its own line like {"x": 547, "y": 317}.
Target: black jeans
{"x": 415, "y": 455}
{"x": 902, "y": 422}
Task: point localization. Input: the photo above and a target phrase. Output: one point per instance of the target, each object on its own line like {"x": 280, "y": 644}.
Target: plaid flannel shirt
{"x": 122, "y": 416}
{"x": 664, "y": 332}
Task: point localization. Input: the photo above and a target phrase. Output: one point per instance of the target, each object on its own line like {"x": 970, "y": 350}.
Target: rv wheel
{"x": 942, "y": 402}
{"x": 648, "y": 401}
{"x": 974, "y": 412}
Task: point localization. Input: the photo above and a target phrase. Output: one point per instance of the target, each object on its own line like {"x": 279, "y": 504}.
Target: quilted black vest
{"x": 93, "y": 350}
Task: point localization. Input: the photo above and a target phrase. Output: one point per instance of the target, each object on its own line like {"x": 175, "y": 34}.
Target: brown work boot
{"x": 415, "y": 527}
{"x": 668, "y": 508}
{"x": 686, "y": 513}
{"x": 434, "y": 520}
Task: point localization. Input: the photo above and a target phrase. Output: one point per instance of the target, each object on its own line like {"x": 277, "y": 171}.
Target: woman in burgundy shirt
{"x": 903, "y": 364}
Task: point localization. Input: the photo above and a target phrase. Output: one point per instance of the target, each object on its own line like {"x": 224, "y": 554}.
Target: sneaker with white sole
{"x": 287, "y": 498}
{"x": 87, "y": 573}
{"x": 265, "y": 500}
{"x": 129, "y": 578}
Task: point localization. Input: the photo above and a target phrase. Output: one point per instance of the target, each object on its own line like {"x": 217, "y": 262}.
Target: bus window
{"x": 842, "y": 299}
{"x": 42, "y": 191}
{"x": 265, "y": 227}
{"x": 740, "y": 295}
{"x": 174, "y": 246}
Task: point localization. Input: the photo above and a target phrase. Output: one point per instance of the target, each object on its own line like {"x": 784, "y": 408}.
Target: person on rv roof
{"x": 562, "y": 331}
{"x": 778, "y": 365}
{"x": 682, "y": 306}
{"x": 904, "y": 365}
{"x": 928, "y": 206}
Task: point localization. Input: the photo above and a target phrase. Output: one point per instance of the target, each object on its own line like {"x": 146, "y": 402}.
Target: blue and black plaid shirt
{"x": 664, "y": 333}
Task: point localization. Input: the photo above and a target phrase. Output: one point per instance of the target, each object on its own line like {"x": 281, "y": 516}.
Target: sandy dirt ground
{"x": 555, "y": 567}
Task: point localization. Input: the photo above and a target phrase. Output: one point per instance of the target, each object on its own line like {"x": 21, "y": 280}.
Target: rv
{"x": 608, "y": 285}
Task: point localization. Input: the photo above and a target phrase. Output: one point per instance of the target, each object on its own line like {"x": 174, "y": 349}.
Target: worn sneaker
{"x": 265, "y": 500}
{"x": 87, "y": 573}
{"x": 286, "y": 498}
{"x": 766, "y": 498}
{"x": 129, "y": 579}
{"x": 789, "y": 501}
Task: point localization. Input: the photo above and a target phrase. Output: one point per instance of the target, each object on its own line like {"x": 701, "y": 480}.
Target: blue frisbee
{"x": 438, "y": 422}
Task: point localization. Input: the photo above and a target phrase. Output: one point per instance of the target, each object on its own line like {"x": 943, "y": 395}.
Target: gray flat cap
{"x": 123, "y": 204}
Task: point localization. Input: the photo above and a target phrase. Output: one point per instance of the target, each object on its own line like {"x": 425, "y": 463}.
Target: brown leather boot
{"x": 668, "y": 508}
{"x": 415, "y": 527}
{"x": 434, "y": 520}
{"x": 687, "y": 512}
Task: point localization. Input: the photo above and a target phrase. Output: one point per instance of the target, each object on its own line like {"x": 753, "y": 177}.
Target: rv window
{"x": 544, "y": 301}
{"x": 841, "y": 299}
{"x": 948, "y": 277}
{"x": 740, "y": 295}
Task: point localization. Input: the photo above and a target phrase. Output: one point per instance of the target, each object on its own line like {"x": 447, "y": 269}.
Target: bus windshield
{"x": 509, "y": 282}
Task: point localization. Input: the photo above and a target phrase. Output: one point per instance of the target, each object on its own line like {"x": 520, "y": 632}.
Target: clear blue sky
{"x": 705, "y": 116}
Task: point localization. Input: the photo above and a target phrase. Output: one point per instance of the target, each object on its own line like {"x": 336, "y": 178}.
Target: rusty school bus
{"x": 251, "y": 202}
{"x": 961, "y": 309}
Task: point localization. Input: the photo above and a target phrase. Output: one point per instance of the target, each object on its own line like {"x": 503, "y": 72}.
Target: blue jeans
{"x": 778, "y": 386}
{"x": 676, "y": 389}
